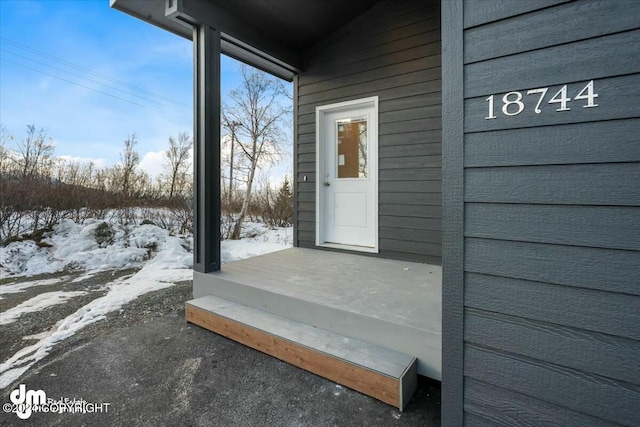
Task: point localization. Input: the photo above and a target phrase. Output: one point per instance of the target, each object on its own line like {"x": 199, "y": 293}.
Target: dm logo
{"x": 25, "y": 400}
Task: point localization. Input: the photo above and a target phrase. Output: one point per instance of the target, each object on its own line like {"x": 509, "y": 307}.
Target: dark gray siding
{"x": 552, "y": 216}
{"x": 392, "y": 51}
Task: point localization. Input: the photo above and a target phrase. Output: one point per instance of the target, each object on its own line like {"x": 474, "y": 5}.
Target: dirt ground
{"x": 153, "y": 368}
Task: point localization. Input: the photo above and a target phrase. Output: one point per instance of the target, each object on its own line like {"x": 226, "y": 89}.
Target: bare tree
{"x": 256, "y": 106}
{"x": 5, "y": 158}
{"x": 129, "y": 161}
{"x": 232, "y": 126}
{"x": 36, "y": 153}
{"x": 7, "y": 210}
{"x": 177, "y": 165}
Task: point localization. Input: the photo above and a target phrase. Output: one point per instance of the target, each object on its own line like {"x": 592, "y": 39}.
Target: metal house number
{"x": 512, "y": 104}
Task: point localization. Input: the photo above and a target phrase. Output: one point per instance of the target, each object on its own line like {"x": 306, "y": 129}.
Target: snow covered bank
{"x": 98, "y": 246}
{"x": 94, "y": 245}
{"x": 258, "y": 240}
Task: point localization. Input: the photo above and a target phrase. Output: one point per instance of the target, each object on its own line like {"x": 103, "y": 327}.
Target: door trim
{"x": 321, "y": 113}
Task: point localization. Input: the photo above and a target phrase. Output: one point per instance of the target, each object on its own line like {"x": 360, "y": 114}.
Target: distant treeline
{"x": 38, "y": 189}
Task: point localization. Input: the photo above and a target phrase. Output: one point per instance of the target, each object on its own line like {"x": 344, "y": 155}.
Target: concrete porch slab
{"x": 394, "y": 304}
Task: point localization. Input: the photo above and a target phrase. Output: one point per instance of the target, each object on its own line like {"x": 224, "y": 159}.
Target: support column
{"x": 206, "y": 154}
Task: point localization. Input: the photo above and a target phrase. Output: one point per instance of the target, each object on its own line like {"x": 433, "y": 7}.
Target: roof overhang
{"x": 179, "y": 17}
{"x": 272, "y": 35}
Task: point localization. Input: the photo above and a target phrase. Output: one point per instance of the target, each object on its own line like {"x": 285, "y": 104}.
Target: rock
{"x": 104, "y": 235}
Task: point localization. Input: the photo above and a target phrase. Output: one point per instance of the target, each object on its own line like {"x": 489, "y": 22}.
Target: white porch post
{"x": 206, "y": 154}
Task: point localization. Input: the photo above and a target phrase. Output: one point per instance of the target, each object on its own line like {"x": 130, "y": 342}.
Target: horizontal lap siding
{"x": 500, "y": 406}
{"x": 392, "y": 51}
{"x": 552, "y": 215}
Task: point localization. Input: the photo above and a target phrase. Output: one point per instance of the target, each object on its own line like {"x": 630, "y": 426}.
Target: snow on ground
{"x": 95, "y": 246}
{"x": 37, "y": 303}
{"x": 98, "y": 246}
{"x": 260, "y": 240}
{"x": 14, "y": 288}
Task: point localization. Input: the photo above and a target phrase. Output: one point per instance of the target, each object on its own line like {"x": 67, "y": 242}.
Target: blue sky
{"x": 91, "y": 75}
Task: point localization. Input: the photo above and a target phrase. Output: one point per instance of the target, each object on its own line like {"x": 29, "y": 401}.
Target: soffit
{"x": 299, "y": 24}
{"x": 281, "y": 29}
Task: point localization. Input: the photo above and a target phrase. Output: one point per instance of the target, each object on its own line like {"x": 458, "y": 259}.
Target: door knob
{"x": 326, "y": 184}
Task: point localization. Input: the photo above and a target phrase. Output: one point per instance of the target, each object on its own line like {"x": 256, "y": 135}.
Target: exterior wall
{"x": 551, "y": 216}
{"x": 392, "y": 51}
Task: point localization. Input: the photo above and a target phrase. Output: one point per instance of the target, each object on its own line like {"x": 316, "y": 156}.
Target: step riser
{"x": 374, "y": 384}
{"x": 405, "y": 339}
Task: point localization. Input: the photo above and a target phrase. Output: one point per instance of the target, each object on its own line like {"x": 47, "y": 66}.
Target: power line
{"x": 75, "y": 83}
{"x": 87, "y": 70}
{"x": 83, "y": 77}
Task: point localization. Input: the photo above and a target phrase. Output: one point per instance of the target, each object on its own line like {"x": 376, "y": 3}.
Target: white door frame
{"x": 321, "y": 141}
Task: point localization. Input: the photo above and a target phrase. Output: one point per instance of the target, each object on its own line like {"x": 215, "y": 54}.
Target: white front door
{"x": 347, "y": 175}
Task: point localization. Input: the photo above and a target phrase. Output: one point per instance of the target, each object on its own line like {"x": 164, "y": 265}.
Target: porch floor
{"x": 390, "y": 303}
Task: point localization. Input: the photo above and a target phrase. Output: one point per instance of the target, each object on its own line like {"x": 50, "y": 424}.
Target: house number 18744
{"x": 512, "y": 104}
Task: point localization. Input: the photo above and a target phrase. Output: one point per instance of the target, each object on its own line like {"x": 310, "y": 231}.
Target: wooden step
{"x": 384, "y": 374}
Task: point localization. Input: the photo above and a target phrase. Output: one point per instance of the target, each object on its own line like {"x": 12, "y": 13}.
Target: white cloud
{"x": 98, "y": 162}
{"x": 152, "y": 162}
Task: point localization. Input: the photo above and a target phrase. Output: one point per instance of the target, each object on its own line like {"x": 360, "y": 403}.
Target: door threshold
{"x": 356, "y": 248}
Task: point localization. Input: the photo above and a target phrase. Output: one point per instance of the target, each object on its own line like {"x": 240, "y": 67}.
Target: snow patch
{"x": 14, "y": 288}
{"x": 75, "y": 246}
{"x": 259, "y": 240}
{"x": 36, "y": 336}
{"x": 26, "y": 256}
{"x": 37, "y": 303}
